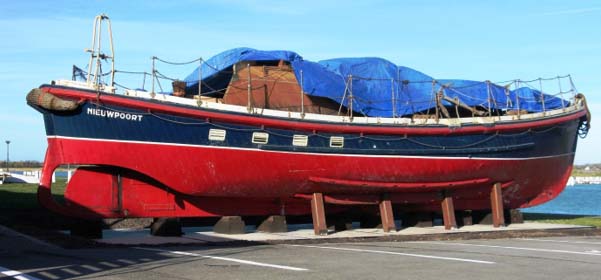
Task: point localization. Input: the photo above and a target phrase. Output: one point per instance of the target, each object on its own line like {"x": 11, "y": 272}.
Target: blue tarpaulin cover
{"x": 374, "y": 83}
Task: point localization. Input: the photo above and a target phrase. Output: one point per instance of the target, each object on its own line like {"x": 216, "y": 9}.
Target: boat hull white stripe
{"x": 302, "y": 153}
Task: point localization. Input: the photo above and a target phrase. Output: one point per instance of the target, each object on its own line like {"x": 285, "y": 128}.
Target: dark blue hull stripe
{"x": 120, "y": 124}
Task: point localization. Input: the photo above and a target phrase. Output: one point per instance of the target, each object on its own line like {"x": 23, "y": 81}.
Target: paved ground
{"x": 304, "y": 232}
{"x": 540, "y": 258}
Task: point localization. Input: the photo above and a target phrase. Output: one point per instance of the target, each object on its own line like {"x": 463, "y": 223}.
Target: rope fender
{"x": 585, "y": 121}
{"x": 48, "y": 101}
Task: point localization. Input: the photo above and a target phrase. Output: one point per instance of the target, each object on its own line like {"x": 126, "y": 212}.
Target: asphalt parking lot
{"x": 527, "y": 258}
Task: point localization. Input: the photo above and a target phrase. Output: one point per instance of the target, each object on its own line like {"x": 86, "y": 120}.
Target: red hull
{"x": 213, "y": 181}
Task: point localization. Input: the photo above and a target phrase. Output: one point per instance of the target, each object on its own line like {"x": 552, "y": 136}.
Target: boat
{"x": 260, "y": 133}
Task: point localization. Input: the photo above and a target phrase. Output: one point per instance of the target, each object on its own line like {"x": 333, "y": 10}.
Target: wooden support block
{"x": 318, "y": 213}
{"x": 448, "y": 211}
{"x": 273, "y": 224}
{"x": 496, "y": 203}
{"x": 386, "y": 214}
{"x": 230, "y": 225}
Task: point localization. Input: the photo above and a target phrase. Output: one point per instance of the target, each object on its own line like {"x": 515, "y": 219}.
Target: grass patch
{"x": 582, "y": 173}
{"x": 24, "y": 196}
{"x": 580, "y": 220}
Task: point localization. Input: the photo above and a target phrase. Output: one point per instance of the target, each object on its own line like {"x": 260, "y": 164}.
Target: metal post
{"x": 542, "y": 95}
{"x": 200, "y": 78}
{"x": 563, "y": 106}
{"x": 301, "y": 95}
{"x": 91, "y": 62}
{"x": 112, "y": 49}
{"x": 153, "y": 75}
{"x": 350, "y": 98}
{"x": 318, "y": 214}
{"x": 572, "y": 87}
{"x": 249, "y": 89}
{"x": 97, "y": 72}
{"x": 488, "y": 93}
{"x": 496, "y": 203}
{"x": 7, "y": 156}
{"x": 199, "y": 101}
{"x": 393, "y": 98}
{"x": 517, "y": 97}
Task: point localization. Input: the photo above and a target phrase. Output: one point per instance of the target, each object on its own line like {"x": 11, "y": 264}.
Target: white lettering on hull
{"x": 114, "y": 115}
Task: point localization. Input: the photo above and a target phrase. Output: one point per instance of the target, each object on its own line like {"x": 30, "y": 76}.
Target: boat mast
{"x": 96, "y": 55}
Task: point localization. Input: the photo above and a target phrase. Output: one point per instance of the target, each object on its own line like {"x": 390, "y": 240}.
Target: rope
{"x": 178, "y": 63}
{"x": 361, "y": 105}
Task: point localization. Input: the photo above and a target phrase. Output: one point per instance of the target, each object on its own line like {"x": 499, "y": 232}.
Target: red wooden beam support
{"x": 496, "y": 204}
{"x": 386, "y": 214}
{"x": 448, "y": 211}
{"x": 318, "y": 214}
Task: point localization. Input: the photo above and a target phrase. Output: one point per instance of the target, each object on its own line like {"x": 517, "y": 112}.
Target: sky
{"x": 475, "y": 40}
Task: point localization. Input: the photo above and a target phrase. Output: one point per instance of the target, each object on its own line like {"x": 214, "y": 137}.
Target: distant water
{"x": 61, "y": 174}
{"x": 574, "y": 200}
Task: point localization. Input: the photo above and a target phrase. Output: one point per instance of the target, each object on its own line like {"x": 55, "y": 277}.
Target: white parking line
{"x": 561, "y": 241}
{"x": 16, "y": 274}
{"x": 226, "y": 259}
{"x": 512, "y": 248}
{"x": 395, "y": 253}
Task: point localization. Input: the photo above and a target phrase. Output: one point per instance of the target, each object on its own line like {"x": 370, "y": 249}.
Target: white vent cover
{"x": 300, "y": 140}
{"x": 260, "y": 137}
{"x": 336, "y": 142}
{"x": 217, "y": 134}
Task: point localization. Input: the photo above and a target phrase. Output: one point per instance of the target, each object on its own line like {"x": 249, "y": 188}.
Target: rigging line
{"x": 535, "y": 99}
{"x": 205, "y": 93}
{"x": 179, "y": 63}
{"x": 161, "y": 75}
{"x": 178, "y": 122}
{"x": 132, "y": 72}
{"x": 159, "y": 83}
{"x": 120, "y": 85}
{"x": 544, "y": 79}
{"x": 453, "y": 147}
{"x": 236, "y": 129}
{"x": 101, "y": 74}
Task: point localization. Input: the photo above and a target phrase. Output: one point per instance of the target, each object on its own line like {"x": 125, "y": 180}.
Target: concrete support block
{"x": 230, "y": 225}
{"x": 273, "y": 224}
{"x": 418, "y": 219}
{"x": 166, "y": 227}
{"x": 515, "y": 216}
{"x": 464, "y": 218}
